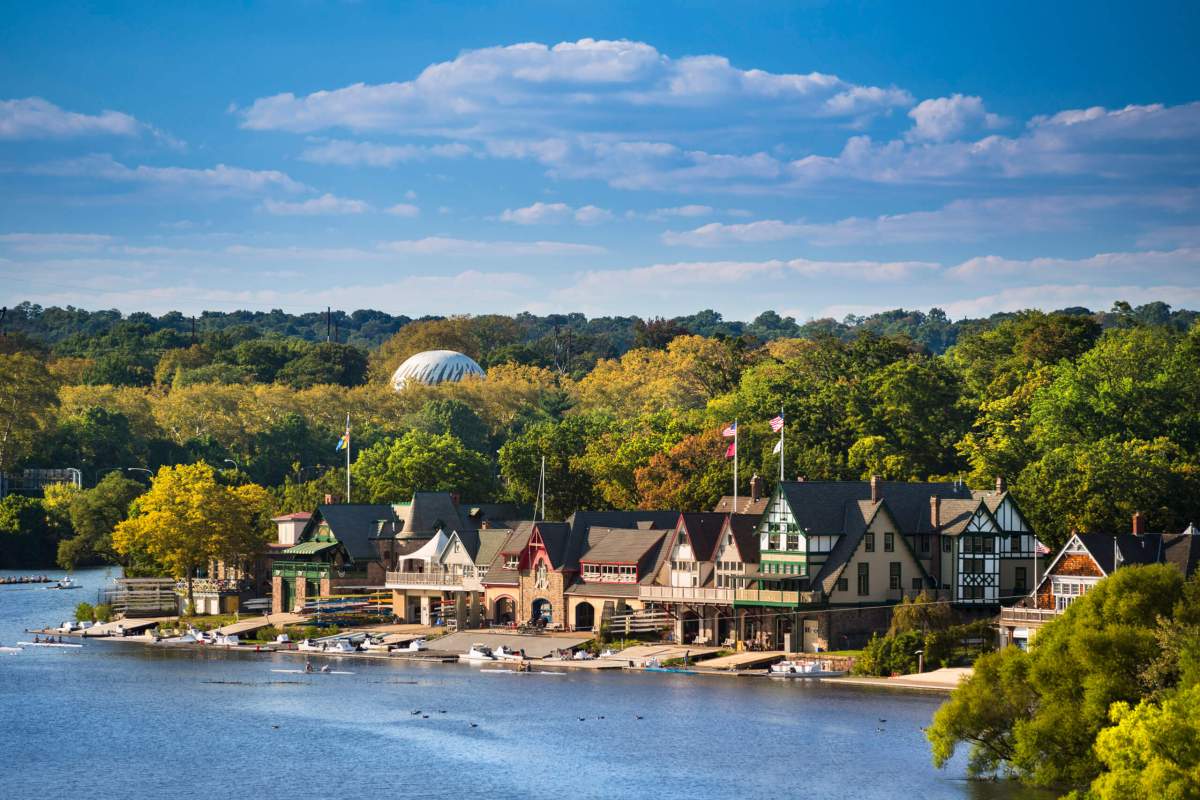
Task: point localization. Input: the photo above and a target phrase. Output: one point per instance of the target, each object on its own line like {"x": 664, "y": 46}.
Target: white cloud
{"x": 35, "y": 118}
{"x": 943, "y": 118}
{"x": 317, "y": 206}
{"x": 220, "y": 177}
{"x": 688, "y": 211}
{"x": 514, "y": 86}
{"x": 55, "y": 242}
{"x": 1181, "y": 263}
{"x": 541, "y": 213}
{"x": 404, "y": 210}
{"x": 370, "y": 154}
{"x": 442, "y": 245}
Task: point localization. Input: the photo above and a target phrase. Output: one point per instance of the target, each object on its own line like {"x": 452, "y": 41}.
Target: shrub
{"x": 103, "y": 612}
{"x": 85, "y": 613}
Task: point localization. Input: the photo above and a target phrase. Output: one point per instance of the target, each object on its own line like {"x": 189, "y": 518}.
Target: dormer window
{"x": 512, "y": 561}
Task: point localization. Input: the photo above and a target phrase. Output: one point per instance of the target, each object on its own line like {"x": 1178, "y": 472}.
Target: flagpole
{"x": 347, "y": 458}
{"x": 781, "y": 429}
{"x": 735, "y": 465}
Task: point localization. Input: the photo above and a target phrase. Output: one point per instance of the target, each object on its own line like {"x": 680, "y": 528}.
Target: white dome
{"x": 435, "y": 366}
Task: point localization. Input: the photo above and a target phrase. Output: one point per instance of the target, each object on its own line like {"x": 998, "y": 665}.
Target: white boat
{"x": 803, "y": 669}
{"x": 478, "y": 652}
{"x": 415, "y": 646}
{"x": 227, "y": 640}
{"x": 187, "y": 638}
{"x": 67, "y": 627}
{"x": 504, "y": 653}
{"x": 340, "y": 646}
{"x": 283, "y": 638}
{"x": 310, "y": 646}
{"x": 376, "y": 645}
{"x": 321, "y": 671}
{"x": 66, "y": 582}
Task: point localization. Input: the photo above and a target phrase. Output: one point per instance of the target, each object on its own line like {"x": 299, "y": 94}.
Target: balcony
{"x": 437, "y": 581}
{"x": 1026, "y": 616}
{"x": 686, "y": 594}
{"x": 775, "y": 597}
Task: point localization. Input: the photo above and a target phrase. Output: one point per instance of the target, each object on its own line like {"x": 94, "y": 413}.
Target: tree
{"x": 27, "y": 537}
{"x": 94, "y": 514}
{"x": 921, "y": 613}
{"x": 1152, "y": 750}
{"x": 417, "y": 461}
{"x": 27, "y": 397}
{"x": 454, "y": 417}
{"x": 562, "y": 443}
{"x": 328, "y": 362}
{"x": 187, "y": 519}
{"x": 691, "y": 476}
{"x": 1038, "y": 714}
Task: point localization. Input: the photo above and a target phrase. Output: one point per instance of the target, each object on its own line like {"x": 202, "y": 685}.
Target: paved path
{"x": 939, "y": 680}
{"x": 640, "y": 654}
{"x": 534, "y": 645}
{"x": 129, "y": 626}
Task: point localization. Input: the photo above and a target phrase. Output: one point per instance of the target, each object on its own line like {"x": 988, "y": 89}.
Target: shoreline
{"x": 936, "y": 682}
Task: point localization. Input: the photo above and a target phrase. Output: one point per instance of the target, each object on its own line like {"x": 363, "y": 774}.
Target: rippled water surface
{"x": 124, "y": 721}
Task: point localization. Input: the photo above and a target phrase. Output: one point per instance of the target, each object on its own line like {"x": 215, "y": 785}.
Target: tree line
{"x": 1089, "y": 415}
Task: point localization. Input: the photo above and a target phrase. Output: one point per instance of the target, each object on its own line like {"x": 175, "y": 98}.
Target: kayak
{"x": 314, "y": 672}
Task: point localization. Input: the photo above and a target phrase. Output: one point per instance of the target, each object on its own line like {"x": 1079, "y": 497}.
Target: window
{"x": 894, "y": 575}
{"x": 843, "y": 584}
{"x": 924, "y": 540}
{"x": 512, "y": 562}
{"x": 916, "y": 584}
{"x": 973, "y": 566}
{"x": 889, "y": 543}
{"x": 793, "y": 541}
{"x": 1019, "y": 580}
{"x": 945, "y": 544}
{"x": 870, "y": 543}
{"x": 972, "y": 593}
{"x": 864, "y": 579}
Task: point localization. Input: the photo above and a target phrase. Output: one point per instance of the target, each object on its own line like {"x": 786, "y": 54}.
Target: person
{"x": 307, "y": 667}
{"x": 325, "y": 668}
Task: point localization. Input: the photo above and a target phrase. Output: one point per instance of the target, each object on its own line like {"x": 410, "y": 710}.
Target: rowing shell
{"x": 48, "y": 644}
{"x": 518, "y": 672}
{"x": 10, "y": 649}
{"x": 314, "y": 672}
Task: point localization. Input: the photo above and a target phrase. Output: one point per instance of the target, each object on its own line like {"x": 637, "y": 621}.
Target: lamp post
{"x": 140, "y": 469}
{"x": 235, "y": 464}
{"x": 76, "y": 476}
{"x": 920, "y": 654}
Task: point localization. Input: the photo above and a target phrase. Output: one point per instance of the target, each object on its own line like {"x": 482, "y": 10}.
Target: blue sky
{"x": 612, "y": 158}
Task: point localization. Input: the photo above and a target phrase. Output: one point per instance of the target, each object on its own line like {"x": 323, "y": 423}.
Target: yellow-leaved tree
{"x": 188, "y": 519}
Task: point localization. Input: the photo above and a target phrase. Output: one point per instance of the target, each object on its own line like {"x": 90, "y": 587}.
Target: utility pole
{"x": 328, "y": 321}
{"x": 193, "y": 330}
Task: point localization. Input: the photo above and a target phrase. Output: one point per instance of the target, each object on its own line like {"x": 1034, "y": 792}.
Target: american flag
{"x": 730, "y": 430}
{"x": 1042, "y": 550}
{"x": 777, "y": 424}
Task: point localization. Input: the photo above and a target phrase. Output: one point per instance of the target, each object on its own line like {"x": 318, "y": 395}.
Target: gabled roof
{"x": 821, "y": 507}
{"x": 704, "y": 532}
{"x": 514, "y": 542}
{"x": 355, "y": 525}
{"x": 744, "y": 528}
{"x": 490, "y": 542}
{"x": 956, "y": 515}
{"x": 843, "y": 552}
{"x": 428, "y": 512}
{"x": 623, "y": 546}
{"x": 309, "y": 548}
{"x": 581, "y": 522}
{"x": 296, "y": 517}
{"x": 554, "y": 537}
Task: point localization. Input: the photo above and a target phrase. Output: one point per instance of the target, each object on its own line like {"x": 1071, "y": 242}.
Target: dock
{"x": 747, "y": 660}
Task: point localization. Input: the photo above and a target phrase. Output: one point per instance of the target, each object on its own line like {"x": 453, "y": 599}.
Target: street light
{"x": 140, "y": 469}
{"x": 76, "y": 476}
{"x": 235, "y": 464}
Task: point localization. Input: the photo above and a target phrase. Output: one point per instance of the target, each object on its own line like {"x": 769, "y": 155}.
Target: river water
{"x": 125, "y": 721}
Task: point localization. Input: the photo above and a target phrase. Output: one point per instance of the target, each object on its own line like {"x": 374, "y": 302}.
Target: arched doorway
{"x": 585, "y": 617}
{"x": 506, "y": 611}
{"x": 543, "y": 612}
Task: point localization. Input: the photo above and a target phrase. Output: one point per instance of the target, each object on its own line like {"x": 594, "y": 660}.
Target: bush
{"x": 85, "y": 613}
{"x": 890, "y": 655}
{"x": 103, "y": 612}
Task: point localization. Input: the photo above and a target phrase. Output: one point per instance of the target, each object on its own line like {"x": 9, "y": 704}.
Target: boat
{"x": 505, "y": 653}
{"x": 414, "y": 646}
{"x": 187, "y": 638}
{"x": 803, "y": 669}
{"x": 6, "y": 649}
{"x": 227, "y": 640}
{"x": 340, "y": 646}
{"x": 376, "y": 644}
{"x": 321, "y": 671}
{"x": 478, "y": 652}
{"x": 48, "y": 644}
{"x": 66, "y": 582}
{"x": 310, "y": 646}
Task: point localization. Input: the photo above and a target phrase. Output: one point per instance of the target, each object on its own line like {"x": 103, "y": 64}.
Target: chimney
{"x": 799, "y": 479}
{"x": 1001, "y": 485}
{"x": 876, "y": 489}
{"x": 328, "y": 499}
{"x": 455, "y": 497}
{"x": 1139, "y": 524}
{"x": 756, "y": 488}
{"x": 935, "y": 512}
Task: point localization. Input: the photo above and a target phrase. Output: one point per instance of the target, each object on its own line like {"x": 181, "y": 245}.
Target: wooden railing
{"x": 401, "y": 579}
{"x": 686, "y": 594}
{"x": 1026, "y": 615}
{"x": 775, "y": 596}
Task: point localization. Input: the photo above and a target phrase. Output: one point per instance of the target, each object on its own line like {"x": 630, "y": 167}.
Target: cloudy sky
{"x": 818, "y": 159}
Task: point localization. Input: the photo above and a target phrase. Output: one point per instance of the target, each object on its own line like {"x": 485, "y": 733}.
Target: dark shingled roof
{"x": 821, "y": 507}
{"x": 1180, "y": 549}
{"x": 704, "y": 531}
{"x": 355, "y": 525}
{"x": 745, "y": 535}
{"x": 515, "y": 542}
{"x": 581, "y": 522}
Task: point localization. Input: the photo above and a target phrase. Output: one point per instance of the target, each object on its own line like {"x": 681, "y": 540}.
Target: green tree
{"x": 563, "y": 443}
{"x": 326, "y": 363}
{"x": 27, "y": 399}
{"x": 417, "y": 461}
{"x": 1038, "y": 714}
{"x": 27, "y": 537}
{"x": 454, "y": 417}
{"x": 1152, "y": 750}
{"x": 94, "y": 514}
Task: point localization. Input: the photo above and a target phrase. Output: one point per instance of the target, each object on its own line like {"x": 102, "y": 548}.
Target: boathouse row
{"x": 817, "y": 564}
